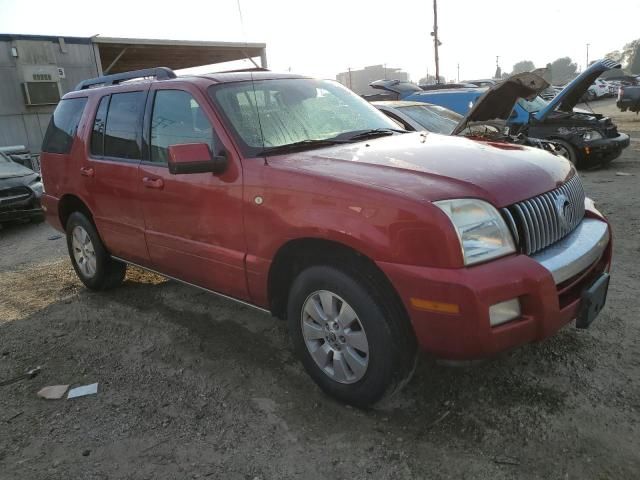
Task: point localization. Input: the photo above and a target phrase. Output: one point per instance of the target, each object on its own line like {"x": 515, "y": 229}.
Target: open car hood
{"x": 498, "y": 101}
{"x": 570, "y": 95}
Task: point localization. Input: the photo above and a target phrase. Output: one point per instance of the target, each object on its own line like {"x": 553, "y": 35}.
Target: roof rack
{"x": 241, "y": 70}
{"x": 160, "y": 73}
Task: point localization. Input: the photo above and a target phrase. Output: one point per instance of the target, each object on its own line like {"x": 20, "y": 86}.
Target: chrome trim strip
{"x": 575, "y": 252}
{"x": 264, "y": 310}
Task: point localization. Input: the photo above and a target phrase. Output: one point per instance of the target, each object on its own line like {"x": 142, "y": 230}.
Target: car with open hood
{"x": 487, "y": 120}
{"x": 297, "y": 197}
{"x": 20, "y": 191}
{"x": 587, "y": 138}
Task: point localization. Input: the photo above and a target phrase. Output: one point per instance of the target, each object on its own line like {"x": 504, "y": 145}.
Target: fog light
{"x": 504, "y": 312}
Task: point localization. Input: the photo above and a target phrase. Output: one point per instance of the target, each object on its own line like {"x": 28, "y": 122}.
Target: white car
{"x": 601, "y": 88}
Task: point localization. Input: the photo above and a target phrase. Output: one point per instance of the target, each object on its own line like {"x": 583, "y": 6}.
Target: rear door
{"x": 193, "y": 222}
{"x": 111, "y": 172}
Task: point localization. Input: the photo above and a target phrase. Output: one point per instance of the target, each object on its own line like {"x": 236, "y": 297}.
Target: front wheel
{"x": 91, "y": 261}
{"x": 352, "y": 340}
{"x": 566, "y": 150}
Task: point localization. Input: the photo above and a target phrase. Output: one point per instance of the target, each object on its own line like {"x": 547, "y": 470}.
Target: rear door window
{"x": 63, "y": 125}
{"x": 97, "y": 134}
{"x": 124, "y": 125}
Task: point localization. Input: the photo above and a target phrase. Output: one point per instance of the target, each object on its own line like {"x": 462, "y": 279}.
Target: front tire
{"x": 566, "y": 150}
{"x": 351, "y": 337}
{"x": 89, "y": 257}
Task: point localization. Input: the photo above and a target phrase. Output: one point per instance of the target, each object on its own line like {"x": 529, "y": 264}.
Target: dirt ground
{"x": 193, "y": 386}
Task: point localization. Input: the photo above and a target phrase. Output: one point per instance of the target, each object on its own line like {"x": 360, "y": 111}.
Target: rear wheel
{"x": 352, "y": 340}
{"x": 91, "y": 261}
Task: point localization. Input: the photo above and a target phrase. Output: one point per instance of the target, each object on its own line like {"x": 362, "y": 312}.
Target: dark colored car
{"x": 587, "y": 138}
{"x": 20, "y": 191}
{"x": 297, "y": 197}
{"x": 629, "y": 98}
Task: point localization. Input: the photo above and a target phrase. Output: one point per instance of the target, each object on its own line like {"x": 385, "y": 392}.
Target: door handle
{"x": 152, "y": 182}
{"x": 87, "y": 171}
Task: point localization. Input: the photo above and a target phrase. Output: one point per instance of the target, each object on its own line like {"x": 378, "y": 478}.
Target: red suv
{"x": 296, "y": 196}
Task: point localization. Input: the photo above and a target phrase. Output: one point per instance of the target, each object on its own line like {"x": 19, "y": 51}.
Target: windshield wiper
{"x": 374, "y": 132}
{"x": 301, "y": 145}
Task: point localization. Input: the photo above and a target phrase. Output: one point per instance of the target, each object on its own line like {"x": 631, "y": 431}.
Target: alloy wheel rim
{"x": 334, "y": 337}
{"x": 83, "y": 251}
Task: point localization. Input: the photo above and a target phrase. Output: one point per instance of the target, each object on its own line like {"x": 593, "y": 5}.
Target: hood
{"x": 428, "y": 166}
{"x": 498, "y": 101}
{"x": 10, "y": 169}
{"x": 396, "y": 86}
{"x": 570, "y": 95}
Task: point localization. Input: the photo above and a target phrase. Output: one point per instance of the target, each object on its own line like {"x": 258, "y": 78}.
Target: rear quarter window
{"x": 63, "y": 125}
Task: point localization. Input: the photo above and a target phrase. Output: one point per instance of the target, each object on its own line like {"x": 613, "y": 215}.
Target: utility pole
{"x": 458, "y": 73}
{"x": 436, "y": 42}
{"x": 349, "y": 78}
{"x": 587, "y": 66}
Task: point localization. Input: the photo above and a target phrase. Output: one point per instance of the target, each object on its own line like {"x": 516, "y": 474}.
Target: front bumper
{"x": 549, "y": 287}
{"x": 606, "y": 148}
{"x": 21, "y": 209}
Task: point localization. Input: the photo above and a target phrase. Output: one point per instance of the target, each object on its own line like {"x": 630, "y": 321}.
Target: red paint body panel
{"x": 223, "y": 231}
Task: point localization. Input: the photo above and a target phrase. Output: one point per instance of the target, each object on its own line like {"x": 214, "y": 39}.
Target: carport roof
{"x": 125, "y": 54}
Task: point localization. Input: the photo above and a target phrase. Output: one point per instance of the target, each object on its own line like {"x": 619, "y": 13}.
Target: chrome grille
{"x": 541, "y": 221}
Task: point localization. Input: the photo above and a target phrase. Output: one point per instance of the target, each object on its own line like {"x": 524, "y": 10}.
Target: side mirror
{"x": 195, "y": 158}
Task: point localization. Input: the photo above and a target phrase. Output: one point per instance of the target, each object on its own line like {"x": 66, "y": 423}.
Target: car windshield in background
{"x": 433, "y": 118}
{"x": 4, "y": 158}
{"x": 534, "y": 105}
{"x": 305, "y": 112}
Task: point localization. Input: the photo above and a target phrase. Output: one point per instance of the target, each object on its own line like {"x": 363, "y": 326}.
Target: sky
{"x": 323, "y": 38}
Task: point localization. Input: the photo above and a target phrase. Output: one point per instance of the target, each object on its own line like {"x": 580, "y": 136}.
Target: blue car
{"x": 586, "y": 138}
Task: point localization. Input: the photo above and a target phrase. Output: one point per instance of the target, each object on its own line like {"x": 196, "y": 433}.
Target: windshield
{"x": 433, "y": 118}
{"x": 534, "y": 105}
{"x": 272, "y": 113}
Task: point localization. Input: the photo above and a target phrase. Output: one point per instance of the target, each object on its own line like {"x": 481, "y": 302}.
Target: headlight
{"x": 481, "y": 229}
{"x": 591, "y": 135}
{"x": 37, "y": 187}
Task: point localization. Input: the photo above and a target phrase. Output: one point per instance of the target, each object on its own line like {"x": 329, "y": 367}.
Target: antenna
{"x": 253, "y": 83}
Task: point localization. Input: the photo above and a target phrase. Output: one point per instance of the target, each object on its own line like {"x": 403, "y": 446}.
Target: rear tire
{"x": 362, "y": 343}
{"x": 89, "y": 257}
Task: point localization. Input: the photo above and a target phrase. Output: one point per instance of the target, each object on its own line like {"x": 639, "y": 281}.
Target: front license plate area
{"x": 593, "y": 300}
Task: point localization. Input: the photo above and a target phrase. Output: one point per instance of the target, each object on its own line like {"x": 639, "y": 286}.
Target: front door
{"x": 111, "y": 174}
{"x": 193, "y": 222}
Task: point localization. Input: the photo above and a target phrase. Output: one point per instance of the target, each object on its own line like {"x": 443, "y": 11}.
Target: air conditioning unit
{"x": 41, "y": 85}
{"x": 41, "y": 93}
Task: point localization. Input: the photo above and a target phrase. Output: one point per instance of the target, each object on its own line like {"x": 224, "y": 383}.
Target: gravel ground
{"x": 192, "y": 386}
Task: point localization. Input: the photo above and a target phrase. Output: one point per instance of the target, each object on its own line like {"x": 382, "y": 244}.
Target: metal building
{"x": 35, "y": 71}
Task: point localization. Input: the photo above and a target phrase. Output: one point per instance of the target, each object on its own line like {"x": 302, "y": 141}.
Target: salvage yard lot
{"x": 193, "y": 386}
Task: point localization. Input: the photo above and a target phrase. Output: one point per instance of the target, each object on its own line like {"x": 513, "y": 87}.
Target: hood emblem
{"x": 563, "y": 208}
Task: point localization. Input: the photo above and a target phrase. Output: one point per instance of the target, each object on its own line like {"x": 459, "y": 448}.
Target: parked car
{"x": 418, "y": 116}
{"x": 443, "y": 86}
{"x": 587, "y": 138}
{"x": 296, "y": 196}
{"x": 20, "y": 191}
{"x": 629, "y": 98}
{"x": 485, "y": 82}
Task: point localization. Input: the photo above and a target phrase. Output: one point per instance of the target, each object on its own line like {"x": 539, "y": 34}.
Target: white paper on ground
{"x": 54, "y": 392}
{"x": 84, "y": 390}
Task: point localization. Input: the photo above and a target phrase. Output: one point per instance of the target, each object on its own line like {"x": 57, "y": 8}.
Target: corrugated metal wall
{"x": 21, "y": 124}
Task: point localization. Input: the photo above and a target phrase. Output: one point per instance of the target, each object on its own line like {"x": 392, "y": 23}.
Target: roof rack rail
{"x": 250, "y": 69}
{"x": 160, "y": 73}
